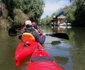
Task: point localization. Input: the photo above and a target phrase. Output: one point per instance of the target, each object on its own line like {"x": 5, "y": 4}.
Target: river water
{"x": 69, "y": 54}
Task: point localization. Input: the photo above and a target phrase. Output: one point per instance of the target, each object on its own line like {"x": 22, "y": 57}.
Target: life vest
{"x": 28, "y": 37}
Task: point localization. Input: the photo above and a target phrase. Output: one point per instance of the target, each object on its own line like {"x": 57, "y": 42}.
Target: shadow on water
{"x": 55, "y": 42}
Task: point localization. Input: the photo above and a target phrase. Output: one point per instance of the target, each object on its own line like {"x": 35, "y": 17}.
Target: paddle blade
{"x": 55, "y": 42}
{"x": 59, "y": 35}
{"x": 12, "y": 32}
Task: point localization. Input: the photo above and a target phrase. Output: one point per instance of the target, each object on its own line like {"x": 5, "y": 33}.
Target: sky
{"x": 52, "y": 6}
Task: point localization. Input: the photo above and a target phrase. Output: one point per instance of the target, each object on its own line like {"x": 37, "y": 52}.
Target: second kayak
{"x": 41, "y": 60}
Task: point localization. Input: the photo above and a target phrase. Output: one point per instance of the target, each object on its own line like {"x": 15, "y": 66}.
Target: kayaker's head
{"x": 28, "y": 23}
{"x": 34, "y": 25}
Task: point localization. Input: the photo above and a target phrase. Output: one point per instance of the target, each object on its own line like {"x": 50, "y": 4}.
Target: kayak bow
{"x": 24, "y": 50}
{"x": 41, "y": 60}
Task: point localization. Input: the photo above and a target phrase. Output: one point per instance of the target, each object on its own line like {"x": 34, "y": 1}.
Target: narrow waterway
{"x": 69, "y": 54}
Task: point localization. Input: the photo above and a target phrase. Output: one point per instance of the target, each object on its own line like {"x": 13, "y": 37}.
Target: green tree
{"x": 80, "y": 12}
{"x": 32, "y": 8}
{"x": 10, "y": 6}
{"x": 46, "y": 20}
{"x": 69, "y": 13}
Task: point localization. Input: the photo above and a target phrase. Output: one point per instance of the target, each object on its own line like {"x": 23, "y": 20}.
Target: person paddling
{"x": 28, "y": 28}
{"x": 34, "y": 25}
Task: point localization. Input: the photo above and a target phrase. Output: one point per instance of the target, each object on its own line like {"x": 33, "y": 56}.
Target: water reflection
{"x": 60, "y": 29}
{"x": 7, "y": 49}
{"x": 60, "y": 50}
{"x": 78, "y": 50}
{"x": 69, "y": 54}
{"x": 61, "y": 60}
{"x": 61, "y": 53}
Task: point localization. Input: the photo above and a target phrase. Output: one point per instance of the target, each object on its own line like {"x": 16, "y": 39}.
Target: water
{"x": 7, "y": 49}
{"x": 69, "y": 54}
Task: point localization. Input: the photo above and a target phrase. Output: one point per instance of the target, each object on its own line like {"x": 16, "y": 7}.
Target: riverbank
{"x": 4, "y": 24}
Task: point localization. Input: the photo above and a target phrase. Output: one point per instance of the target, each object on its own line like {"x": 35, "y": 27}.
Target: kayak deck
{"x": 41, "y": 60}
{"x": 24, "y": 50}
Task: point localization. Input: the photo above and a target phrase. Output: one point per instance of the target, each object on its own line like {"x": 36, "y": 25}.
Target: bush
{"x": 19, "y": 16}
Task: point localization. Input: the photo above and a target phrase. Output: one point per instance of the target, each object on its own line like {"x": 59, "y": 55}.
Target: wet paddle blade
{"x": 59, "y": 35}
{"x": 55, "y": 42}
{"x": 12, "y": 32}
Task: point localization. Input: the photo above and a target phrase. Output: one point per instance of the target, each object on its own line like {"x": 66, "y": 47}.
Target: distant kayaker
{"x": 34, "y": 25}
{"x": 28, "y": 28}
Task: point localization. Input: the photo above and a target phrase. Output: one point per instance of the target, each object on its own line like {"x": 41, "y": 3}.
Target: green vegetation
{"x": 80, "y": 12}
{"x": 69, "y": 13}
{"x": 19, "y": 10}
{"x": 19, "y": 16}
{"x": 46, "y": 20}
{"x": 75, "y": 13}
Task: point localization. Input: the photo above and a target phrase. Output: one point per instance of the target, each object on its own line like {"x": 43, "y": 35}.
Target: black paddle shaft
{"x": 59, "y": 35}
{"x": 12, "y": 32}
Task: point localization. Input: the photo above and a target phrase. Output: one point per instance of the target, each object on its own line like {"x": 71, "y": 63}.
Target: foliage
{"x": 46, "y": 20}
{"x": 19, "y": 16}
{"x": 69, "y": 13}
{"x": 75, "y": 13}
{"x": 80, "y": 12}
{"x": 10, "y": 6}
{"x": 32, "y": 8}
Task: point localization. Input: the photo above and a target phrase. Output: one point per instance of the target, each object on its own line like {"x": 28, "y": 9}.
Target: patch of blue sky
{"x": 52, "y": 6}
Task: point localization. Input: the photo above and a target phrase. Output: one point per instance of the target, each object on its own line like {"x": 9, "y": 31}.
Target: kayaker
{"x": 29, "y": 29}
{"x": 34, "y": 25}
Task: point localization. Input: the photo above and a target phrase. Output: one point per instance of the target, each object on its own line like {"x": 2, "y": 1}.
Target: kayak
{"x": 41, "y": 60}
{"x": 24, "y": 50}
